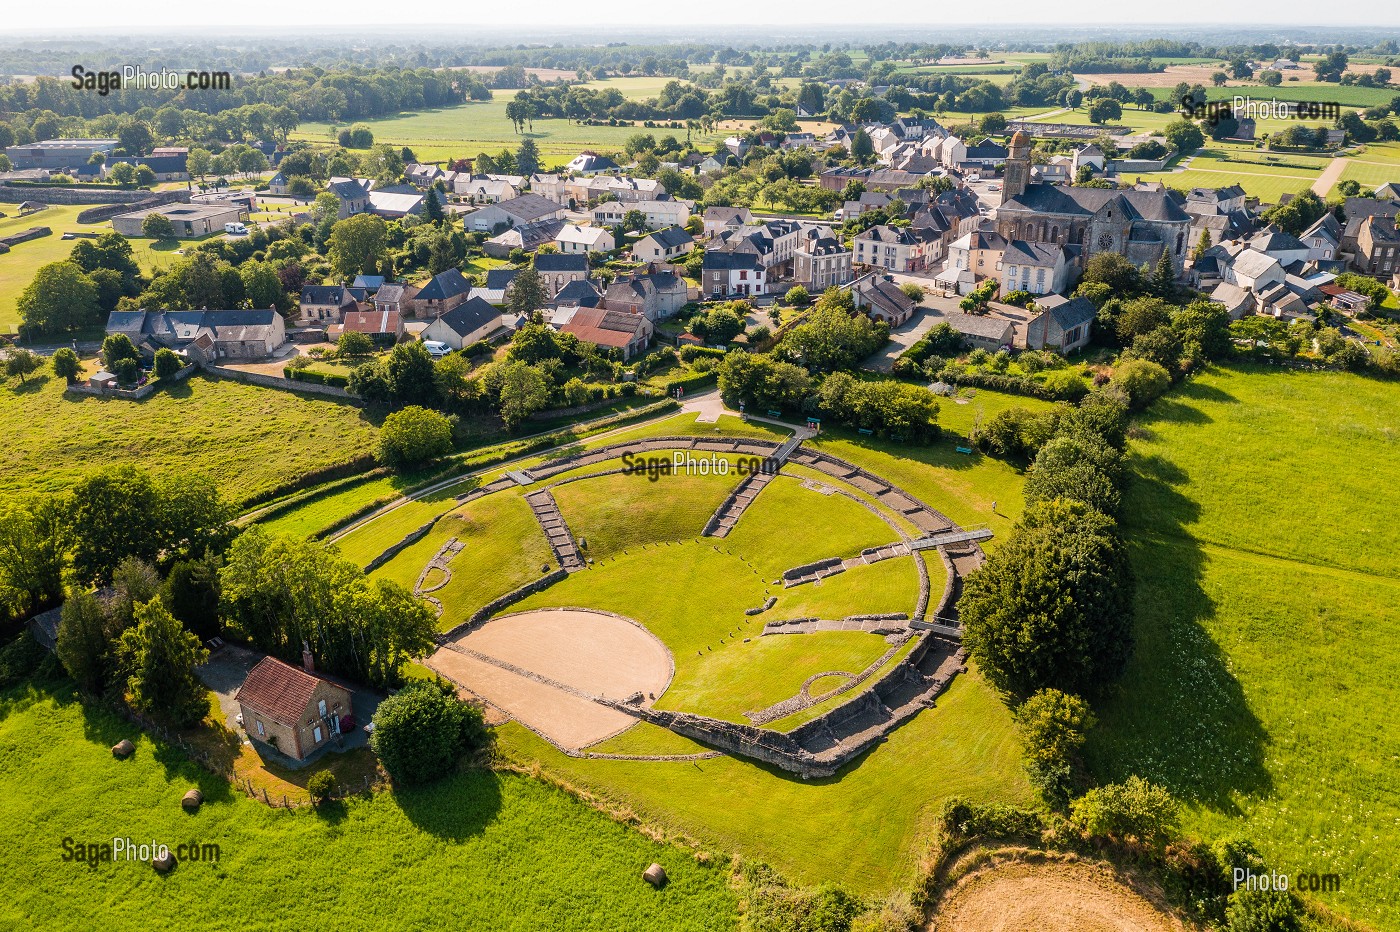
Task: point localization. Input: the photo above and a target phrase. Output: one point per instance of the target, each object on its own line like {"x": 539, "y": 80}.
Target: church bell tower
{"x": 1018, "y": 166}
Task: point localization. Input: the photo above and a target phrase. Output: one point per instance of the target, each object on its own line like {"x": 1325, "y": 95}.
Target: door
{"x": 316, "y": 734}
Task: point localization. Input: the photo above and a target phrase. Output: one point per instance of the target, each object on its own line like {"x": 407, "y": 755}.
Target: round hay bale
{"x": 165, "y": 863}
{"x": 655, "y": 875}
{"x": 192, "y": 800}
{"x": 123, "y": 749}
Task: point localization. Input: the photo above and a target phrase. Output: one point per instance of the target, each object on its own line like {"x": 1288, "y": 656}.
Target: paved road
{"x": 1330, "y": 176}
{"x": 935, "y": 307}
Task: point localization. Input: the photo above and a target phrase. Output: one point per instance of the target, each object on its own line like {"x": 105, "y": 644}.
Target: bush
{"x": 65, "y": 364}
{"x": 1078, "y": 466}
{"x": 960, "y": 819}
{"x": 166, "y": 364}
{"x": 1054, "y": 726}
{"x": 1263, "y": 911}
{"x": 1144, "y": 381}
{"x": 1135, "y": 809}
{"x": 423, "y": 730}
{"x": 413, "y": 436}
{"x": 321, "y": 786}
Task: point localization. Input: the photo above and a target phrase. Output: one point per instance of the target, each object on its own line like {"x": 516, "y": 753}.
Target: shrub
{"x": 1263, "y": 911}
{"x": 960, "y": 819}
{"x": 1054, "y": 726}
{"x": 65, "y": 364}
{"x": 1079, "y": 467}
{"x": 166, "y": 364}
{"x": 412, "y": 436}
{"x": 797, "y": 296}
{"x": 1144, "y": 381}
{"x": 321, "y": 786}
{"x": 1135, "y": 809}
{"x": 421, "y": 731}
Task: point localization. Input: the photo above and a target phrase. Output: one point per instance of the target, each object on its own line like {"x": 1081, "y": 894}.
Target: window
{"x": 321, "y": 708}
{"x": 316, "y": 734}
{"x": 261, "y": 730}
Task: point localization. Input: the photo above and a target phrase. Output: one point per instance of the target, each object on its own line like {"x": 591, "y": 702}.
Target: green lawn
{"x": 476, "y": 851}
{"x": 1267, "y": 546}
{"x": 17, "y": 267}
{"x": 246, "y": 438}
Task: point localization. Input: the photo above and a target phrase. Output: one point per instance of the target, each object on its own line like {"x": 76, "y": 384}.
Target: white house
{"x": 575, "y": 238}
{"x": 464, "y": 325}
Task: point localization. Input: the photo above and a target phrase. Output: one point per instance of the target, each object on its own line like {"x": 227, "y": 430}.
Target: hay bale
{"x": 123, "y": 749}
{"x": 164, "y": 864}
{"x": 192, "y": 800}
{"x": 655, "y": 875}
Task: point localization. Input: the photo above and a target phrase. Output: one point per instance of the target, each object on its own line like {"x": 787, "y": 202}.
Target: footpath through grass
{"x": 477, "y": 851}
{"x": 1266, "y": 541}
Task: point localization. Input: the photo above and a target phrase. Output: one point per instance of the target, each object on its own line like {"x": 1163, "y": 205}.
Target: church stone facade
{"x": 1135, "y": 224}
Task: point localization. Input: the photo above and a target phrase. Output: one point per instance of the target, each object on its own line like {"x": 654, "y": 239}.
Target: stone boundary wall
{"x": 130, "y": 394}
{"x": 277, "y": 381}
{"x": 14, "y": 239}
{"x": 510, "y": 598}
{"x": 393, "y": 550}
{"x": 73, "y": 195}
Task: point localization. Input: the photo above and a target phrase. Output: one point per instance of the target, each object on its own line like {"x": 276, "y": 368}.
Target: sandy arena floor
{"x": 591, "y": 652}
{"x": 1048, "y": 897}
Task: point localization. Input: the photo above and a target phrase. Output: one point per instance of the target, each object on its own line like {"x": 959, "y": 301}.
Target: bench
{"x": 868, "y": 433}
{"x": 964, "y": 449}
{"x": 772, "y": 413}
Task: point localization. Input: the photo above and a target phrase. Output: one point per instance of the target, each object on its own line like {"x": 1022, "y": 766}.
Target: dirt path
{"x": 1330, "y": 176}
{"x": 1052, "y": 896}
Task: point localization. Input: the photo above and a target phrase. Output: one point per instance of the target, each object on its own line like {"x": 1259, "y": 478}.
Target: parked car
{"x": 436, "y": 349}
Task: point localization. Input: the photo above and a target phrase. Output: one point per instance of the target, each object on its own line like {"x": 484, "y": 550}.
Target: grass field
{"x": 246, "y": 438}
{"x": 467, "y": 129}
{"x": 479, "y": 850}
{"x": 1268, "y": 555}
{"x": 17, "y": 267}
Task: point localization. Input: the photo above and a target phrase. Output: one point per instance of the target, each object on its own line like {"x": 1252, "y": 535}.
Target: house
{"x": 1040, "y": 268}
{"x": 606, "y": 329}
{"x": 370, "y": 283}
{"x": 1061, "y": 324}
{"x": 1281, "y": 246}
{"x": 971, "y": 258}
{"x": 1348, "y": 302}
{"x": 526, "y": 238}
{"x": 1254, "y": 271}
{"x": 880, "y": 298}
{"x": 723, "y": 219}
{"x": 774, "y": 243}
{"x": 203, "y": 336}
{"x": 189, "y": 220}
{"x": 294, "y": 710}
{"x": 732, "y": 273}
{"x": 445, "y": 291}
{"x": 574, "y": 238}
{"x": 325, "y": 304}
{"x": 709, "y": 164}
{"x": 590, "y": 163}
{"x": 620, "y": 187}
{"x": 983, "y": 331}
{"x": 658, "y": 214}
{"x": 579, "y": 294}
{"x": 387, "y": 325}
{"x": 1377, "y": 247}
{"x": 352, "y": 193}
{"x": 557, "y": 269}
{"x": 1087, "y": 156}
{"x": 465, "y": 324}
{"x": 397, "y": 202}
{"x": 513, "y": 213}
{"x": 821, "y": 261}
{"x": 498, "y": 283}
{"x": 1323, "y": 238}
{"x": 984, "y": 154}
{"x": 663, "y": 245}
{"x": 550, "y": 186}
{"x": 1237, "y": 301}
{"x": 897, "y": 249}
{"x": 484, "y": 189}
{"x": 391, "y": 297}
{"x": 654, "y": 295}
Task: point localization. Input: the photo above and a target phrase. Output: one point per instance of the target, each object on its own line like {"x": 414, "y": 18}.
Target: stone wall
{"x": 130, "y": 394}
{"x": 510, "y": 598}
{"x": 277, "y": 381}
{"x": 394, "y": 550}
{"x": 14, "y": 239}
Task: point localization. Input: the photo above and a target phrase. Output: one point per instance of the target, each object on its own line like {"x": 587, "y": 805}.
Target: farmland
{"x": 1267, "y": 638}
{"x": 17, "y": 267}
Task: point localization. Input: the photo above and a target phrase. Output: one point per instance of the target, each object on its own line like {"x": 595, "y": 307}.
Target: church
{"x": 1135, "y": 224}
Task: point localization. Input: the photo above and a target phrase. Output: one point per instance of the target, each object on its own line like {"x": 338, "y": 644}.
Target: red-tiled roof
{"x": 279, "y": 690}
{"x": 372, "y": 321}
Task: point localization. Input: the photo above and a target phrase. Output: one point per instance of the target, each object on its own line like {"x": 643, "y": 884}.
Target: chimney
{"x": 308, "y": 664}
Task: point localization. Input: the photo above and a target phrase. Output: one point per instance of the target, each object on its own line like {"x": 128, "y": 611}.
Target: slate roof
{"x": 991, "y": 328}
{"x": 347, "y": 190}
{"x": 389, "y": 294}
{"x": 447, "y": 284}
{"x": 1053, "y": 199}
{"x": 529, "y": 207}
{"x": 670, "y": 238}
{"x": 1068, "y": 312}
{"x": 715, "y": 261}
{"x": 333, "y": 295}
{"x": 561, "y": 262}
{"x": 1020, "y": 252}
{"x": 279, "y": 690}
{"x": 1277, "y": 241}
{"x": 500, "y": 278}
{"x": 581, "y": 292}
{"x": 470, "y": 315}
{"x": 372, "y": 282}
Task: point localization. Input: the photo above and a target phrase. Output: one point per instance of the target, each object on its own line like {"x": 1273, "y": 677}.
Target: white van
{"x": 436, "y": 349}
{"x": 236, "y": 229}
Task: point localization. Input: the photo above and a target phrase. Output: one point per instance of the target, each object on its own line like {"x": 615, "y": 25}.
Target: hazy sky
{"x": 103, "y": 14}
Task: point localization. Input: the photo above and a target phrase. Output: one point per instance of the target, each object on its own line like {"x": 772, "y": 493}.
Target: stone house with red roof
{"x": 292, "y": 709}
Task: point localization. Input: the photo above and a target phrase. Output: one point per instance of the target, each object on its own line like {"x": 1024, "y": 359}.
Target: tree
{"x": 1199, "y": 251}
{"x": 192, "y": 593}
{"x": 1302, "y": 211}
{"x": 198, "y": 162}
{"x": 862, "y": 148}
{"x": 122, "y": 173}
{"x": 1134, "y": 809}
{"x": 33, "y": 542}
{"x": 23, "y": 363}
{"x": 413, "y": 436}
{"x": 524, "y": 390}
{"x": 408, "y": 370}
{"x": 1051, "y": 607}
{"x": 432, "y": 207}
{"x": 83, "y": 648}
{"x": 145, "y": 176}
{"x": 356, "y": 243}
{"x": 167, "y": 363}
{"x": 158, "y": 657}
{"x": 321, "y": 786}
{"x": 116, "y": 347}
{"x": 833, "y": 337}
{"x": 1113, "y": 270}
{"x": 797, "y": 296}
{"x": 719, "y": 325}
{"x": 261, "y": 285}
{"x": 422, "y": 731}
{"x": 527, "y": 157}
{"x": 1079, "y": 467}
{"x": 1054, "y": 727}
{"x": 1184, "y": 136}
{"x": 1104, "y": 109}
{"x": 65, "y": 364}
{"x": 354, "y": 343}
{"x": 527, "y": 293}
{"x": 135, "y": 137}
{"x": 61, "y": 297}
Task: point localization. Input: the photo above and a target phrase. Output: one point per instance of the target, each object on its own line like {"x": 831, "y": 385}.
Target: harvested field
{"x": 1049, "y": 896}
